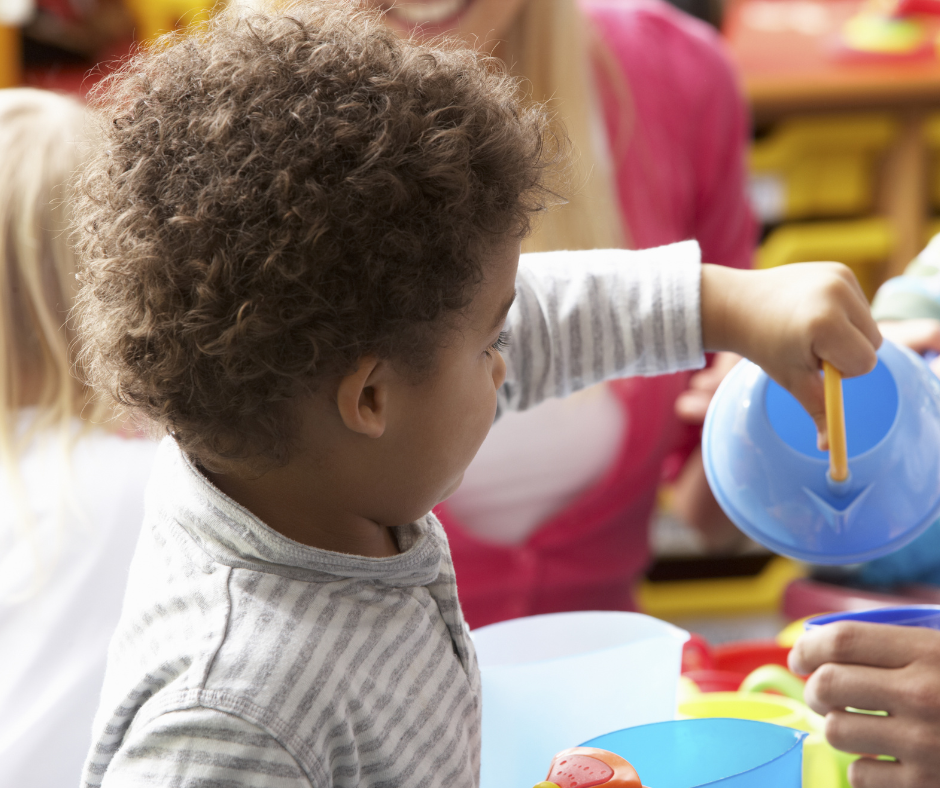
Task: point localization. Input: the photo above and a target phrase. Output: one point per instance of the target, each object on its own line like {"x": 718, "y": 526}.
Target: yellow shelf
{"x": 820, "y": 166}
{"x": 720, "y": 597}
{"x": 864, "y": 245}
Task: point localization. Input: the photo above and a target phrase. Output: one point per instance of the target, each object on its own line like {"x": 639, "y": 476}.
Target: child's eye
{"x": 502, "y": 342}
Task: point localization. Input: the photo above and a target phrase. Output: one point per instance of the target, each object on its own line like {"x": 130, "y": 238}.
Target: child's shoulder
{"x": 266, "y": 643}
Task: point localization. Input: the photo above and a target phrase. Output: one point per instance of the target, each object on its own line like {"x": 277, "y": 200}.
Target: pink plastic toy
{"x": 588, "y": 767}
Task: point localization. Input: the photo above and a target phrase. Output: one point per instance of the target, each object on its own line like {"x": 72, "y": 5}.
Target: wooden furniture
{"x": 10, "y": 57}
{"x": 789, "y": 56}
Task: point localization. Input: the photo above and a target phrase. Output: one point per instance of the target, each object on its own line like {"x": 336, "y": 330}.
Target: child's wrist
{"x": 718, "y": 319}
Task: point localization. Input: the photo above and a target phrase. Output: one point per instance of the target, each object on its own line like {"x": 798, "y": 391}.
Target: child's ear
{"x": 362, "y": 397}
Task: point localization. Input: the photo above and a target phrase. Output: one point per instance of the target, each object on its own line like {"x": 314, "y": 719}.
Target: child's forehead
{"x": 498, "y": 290}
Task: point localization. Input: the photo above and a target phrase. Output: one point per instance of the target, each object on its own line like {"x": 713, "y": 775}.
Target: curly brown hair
{"x": 277, "y": 196}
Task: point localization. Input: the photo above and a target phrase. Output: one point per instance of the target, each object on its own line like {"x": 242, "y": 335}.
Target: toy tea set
{"x": 553, "y": 681}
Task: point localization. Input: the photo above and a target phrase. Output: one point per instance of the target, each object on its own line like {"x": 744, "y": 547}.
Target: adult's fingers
{"x": 692, "y": 405}
{"x": 865, "y": 734}
{"x": 856, "y": 643}
{"x": 833, "y": 687}
{"x": 919, "y": 334}
{"x": 871, "y": 773}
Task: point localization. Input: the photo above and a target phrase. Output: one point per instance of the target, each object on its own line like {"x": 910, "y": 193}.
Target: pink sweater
{"x": 681, "y": 176}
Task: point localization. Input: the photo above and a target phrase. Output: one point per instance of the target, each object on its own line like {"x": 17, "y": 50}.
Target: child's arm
{"x": 870, "y": 666}
{"x": 205, "y": 747}
{"x": 584, "y": 317}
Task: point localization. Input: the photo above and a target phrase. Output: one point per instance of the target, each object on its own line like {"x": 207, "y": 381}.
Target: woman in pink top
{"x": 554, "y": 512}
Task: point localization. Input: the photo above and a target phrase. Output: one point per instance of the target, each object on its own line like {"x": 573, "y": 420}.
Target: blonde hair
{"x": 552, "y": 45}
{"x": 38, "y": 138}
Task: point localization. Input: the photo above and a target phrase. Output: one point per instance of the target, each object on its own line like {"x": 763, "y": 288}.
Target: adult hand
{"x": 788, "y": 320}
{"x": 692, "y": 403}
{"x": 883, "y": 668}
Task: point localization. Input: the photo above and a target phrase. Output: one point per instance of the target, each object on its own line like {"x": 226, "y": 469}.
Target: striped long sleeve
{"x": 583, "y": 317}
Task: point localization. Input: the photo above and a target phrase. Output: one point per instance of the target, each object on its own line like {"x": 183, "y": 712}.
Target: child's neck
{"x": 302, "y": 505}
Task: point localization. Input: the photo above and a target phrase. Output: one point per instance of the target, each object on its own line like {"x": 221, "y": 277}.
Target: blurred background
{"x": 844, "y": 164}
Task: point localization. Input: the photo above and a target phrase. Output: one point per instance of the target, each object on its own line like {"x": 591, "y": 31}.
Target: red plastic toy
{"x": 588, "y": 767}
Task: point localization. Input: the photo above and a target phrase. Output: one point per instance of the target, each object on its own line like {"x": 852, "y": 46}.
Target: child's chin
{"x": 452, "y": 489}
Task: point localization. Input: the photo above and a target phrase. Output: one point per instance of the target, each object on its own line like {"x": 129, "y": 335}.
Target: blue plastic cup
{"x": 726, "y": 752}
{"x": 927, "y": 616}
{"x": 761, "y": 460}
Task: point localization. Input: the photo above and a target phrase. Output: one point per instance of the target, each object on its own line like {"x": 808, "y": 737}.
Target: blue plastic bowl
{"x": 761, "y": 460}
{"x": 725, "y": 752}
{"x": 927, "y": 616}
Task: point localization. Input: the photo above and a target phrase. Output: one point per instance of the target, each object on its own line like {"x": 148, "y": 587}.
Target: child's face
{"x": 435, "y": 427}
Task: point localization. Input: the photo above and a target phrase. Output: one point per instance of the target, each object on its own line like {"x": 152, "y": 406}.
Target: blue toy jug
{"x": 715, "y": 752}
{"x": 761, "y": 460}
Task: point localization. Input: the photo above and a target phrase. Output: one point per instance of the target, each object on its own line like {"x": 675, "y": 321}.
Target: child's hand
{"x": 788, "y": 320}
{"x": 880, "y": 668}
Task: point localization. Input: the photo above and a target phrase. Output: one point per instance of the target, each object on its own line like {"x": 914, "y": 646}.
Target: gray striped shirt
{"x": 246, "y": 659}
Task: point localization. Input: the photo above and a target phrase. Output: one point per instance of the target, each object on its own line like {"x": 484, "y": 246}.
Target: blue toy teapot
{"x": 761, "y": 460}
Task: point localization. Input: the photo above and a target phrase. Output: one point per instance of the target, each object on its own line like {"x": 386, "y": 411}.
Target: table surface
{"x": 790, "y": 57}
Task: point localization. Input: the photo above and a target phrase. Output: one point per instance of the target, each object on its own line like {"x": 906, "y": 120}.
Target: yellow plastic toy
{"x": 882, "y": 34}
{"x": 774, "y": 678}
{"x": 835, "y": 421}
{"x": 720, "y": 597}
{"x": 791, "y": 632}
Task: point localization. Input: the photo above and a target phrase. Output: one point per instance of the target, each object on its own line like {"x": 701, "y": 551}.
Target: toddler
{"x": 300, "y": 244}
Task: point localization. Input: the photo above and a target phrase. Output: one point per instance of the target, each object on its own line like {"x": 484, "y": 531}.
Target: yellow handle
{"x": 835, "y": 420}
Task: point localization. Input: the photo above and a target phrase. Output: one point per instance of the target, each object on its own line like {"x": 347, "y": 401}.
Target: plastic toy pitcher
{"x": 761, "y": 460}
{"x": 723, "y": 753}
{"x": 823, "y": 765}
{"x": 552, "y": 681}
{"x": 927, "y": 616}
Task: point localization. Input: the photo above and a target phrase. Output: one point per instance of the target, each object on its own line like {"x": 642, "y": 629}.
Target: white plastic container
{"x": 555, "y": 681}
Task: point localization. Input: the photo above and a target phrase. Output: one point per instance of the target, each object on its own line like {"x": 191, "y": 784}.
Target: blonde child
{"x": 300, "y": 258}
{"x": 70, "y": 491}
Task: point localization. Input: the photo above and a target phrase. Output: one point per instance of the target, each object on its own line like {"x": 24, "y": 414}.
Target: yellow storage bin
{"x": 931, "y": 131}
{"x": 932, "y": 228}
{"x": 10, "y": 57}
{"x": 819, "y": 166}
{"x": 155, "y": 17}
{"x": 725, "y": 596}
{"x": 864, "y": 245}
